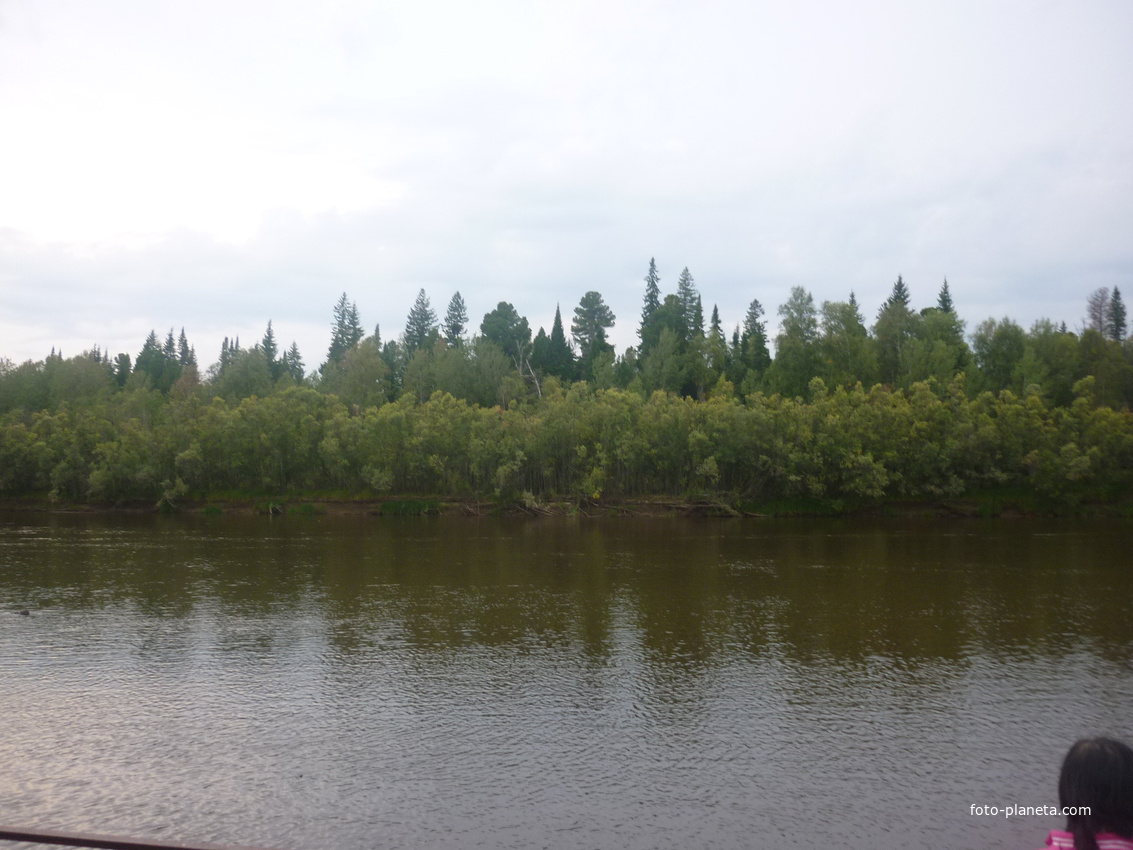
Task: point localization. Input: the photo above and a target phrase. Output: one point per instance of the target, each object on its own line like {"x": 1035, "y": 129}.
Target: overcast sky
{"x": 214, "y": 165}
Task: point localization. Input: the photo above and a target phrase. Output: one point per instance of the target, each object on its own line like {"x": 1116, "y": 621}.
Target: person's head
{"x": 1097, "y": 773}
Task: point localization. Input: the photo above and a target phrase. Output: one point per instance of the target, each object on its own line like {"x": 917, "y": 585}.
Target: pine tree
{"x": 421, "y": 324}
{"x": 591, "y": 320}
{"x": 1116, "y": 323}
{"x": 944, "y": 302}
{"x": 652, "y": 298}
{"x": 456, "y": 319}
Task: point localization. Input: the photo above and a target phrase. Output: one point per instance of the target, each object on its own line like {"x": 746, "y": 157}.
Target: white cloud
{"x": 216, "y": 165}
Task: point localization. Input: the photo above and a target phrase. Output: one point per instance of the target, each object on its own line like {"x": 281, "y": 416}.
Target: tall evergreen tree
{"x": 688, "y": 297}
{"x": 592, "y": 318}
{"x": 753, "y": 342}
{"x": 293, "y": 363}
{"x": 652, "y": 298}
{"x": 899, "y": 295}
{"x": 562, "y": 356}
{"x": 346, "y": 331}
{"x": 717, "y": 345}
{"x": 944, "y": 301}
{"x": 456, "y": 319}
{"x": 1116, "y": 323}
{"x": 268, "y": 345}
{"x": 421, "y": 324}
{"x": 186, "y": 355}
{"x": 271, "y": 353}
{"x": 122, "y": 369}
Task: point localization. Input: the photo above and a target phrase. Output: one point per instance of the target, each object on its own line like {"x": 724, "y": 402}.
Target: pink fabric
{"x": 1060, "y": 840}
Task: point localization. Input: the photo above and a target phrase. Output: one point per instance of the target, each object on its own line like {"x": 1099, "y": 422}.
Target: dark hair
{"x": 1098, "y": 773}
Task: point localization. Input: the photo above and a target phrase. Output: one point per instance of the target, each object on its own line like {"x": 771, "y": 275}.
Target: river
{"x": 340, "y": 683}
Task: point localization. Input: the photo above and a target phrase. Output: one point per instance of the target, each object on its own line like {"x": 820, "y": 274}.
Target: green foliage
{"x": 797, "y": 355}
{"x": 508, "y": 331}
{"x": 1038, "y": 419}
{"x": 592, "y": 318}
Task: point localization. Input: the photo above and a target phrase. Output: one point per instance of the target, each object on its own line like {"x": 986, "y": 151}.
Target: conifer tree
{"x": 421, "y": 325}
{"x": 944, "y": 302}
{"x": 652, "y": 298}
{"x": 899, "y": 295}
{"x": 293, "y": 363}
{"x": 271, "y": 353}
{"x": 1116, "y": 323}
{"x": 268, "y": 345}
{"x": 592, "y": 318}
{"x": 456, "y": 319}
{"x": 562, "y": 357}
{"x": 186, "y": 355}
{"x": 346, "y": 331}
{"x": 687, "y": 296}
{"x": 753, "y": 342}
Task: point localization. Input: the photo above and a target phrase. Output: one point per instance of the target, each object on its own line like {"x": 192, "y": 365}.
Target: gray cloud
{"x": 167, "y": 169}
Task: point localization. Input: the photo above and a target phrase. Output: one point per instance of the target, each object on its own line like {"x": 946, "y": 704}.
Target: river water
{"x": 339, "y": 683}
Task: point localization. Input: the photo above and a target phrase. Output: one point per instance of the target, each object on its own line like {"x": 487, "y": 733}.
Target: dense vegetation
{"x": 842, "y": 415}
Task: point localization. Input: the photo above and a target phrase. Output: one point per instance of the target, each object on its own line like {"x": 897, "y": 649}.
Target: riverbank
{"x": 1001, "y": 503}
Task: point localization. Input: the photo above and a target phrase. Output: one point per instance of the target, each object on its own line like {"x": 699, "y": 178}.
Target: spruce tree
{"x": 271, "y": 351}
{"x": 346, "y": 331}
{"x": 293, "y": 363}
{"x": 421, "y": 325}
{"x": 944, "y": 301}
{"x": 456, "y": 319}
{"x": 268, "y": 345}
{"x": 1116, "y": 316}
{"x": 652, "y": 298}
{"x": 688, "y": 298}
{"x": 899, "y": 295}
{"x": 561, "y": 354}
{"x": 186, "y": 356}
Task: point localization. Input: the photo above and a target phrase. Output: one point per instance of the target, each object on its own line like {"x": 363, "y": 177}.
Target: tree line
{"x": 909, "y": 407}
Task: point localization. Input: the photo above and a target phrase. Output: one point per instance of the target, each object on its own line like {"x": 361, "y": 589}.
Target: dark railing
{"x": 108, "y": 842}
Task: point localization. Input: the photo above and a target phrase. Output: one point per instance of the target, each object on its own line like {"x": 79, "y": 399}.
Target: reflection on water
{"x": 350, "y": 683}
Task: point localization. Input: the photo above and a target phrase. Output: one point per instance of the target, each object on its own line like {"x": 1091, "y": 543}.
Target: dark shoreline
{"x": 974, "y": 507}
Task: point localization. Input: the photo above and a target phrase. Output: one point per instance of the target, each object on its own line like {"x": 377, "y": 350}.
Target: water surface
{"x": 378, "y": 683}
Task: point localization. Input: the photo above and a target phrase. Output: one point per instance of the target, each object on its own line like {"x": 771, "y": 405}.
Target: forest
{"x": 844, "y": 416}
